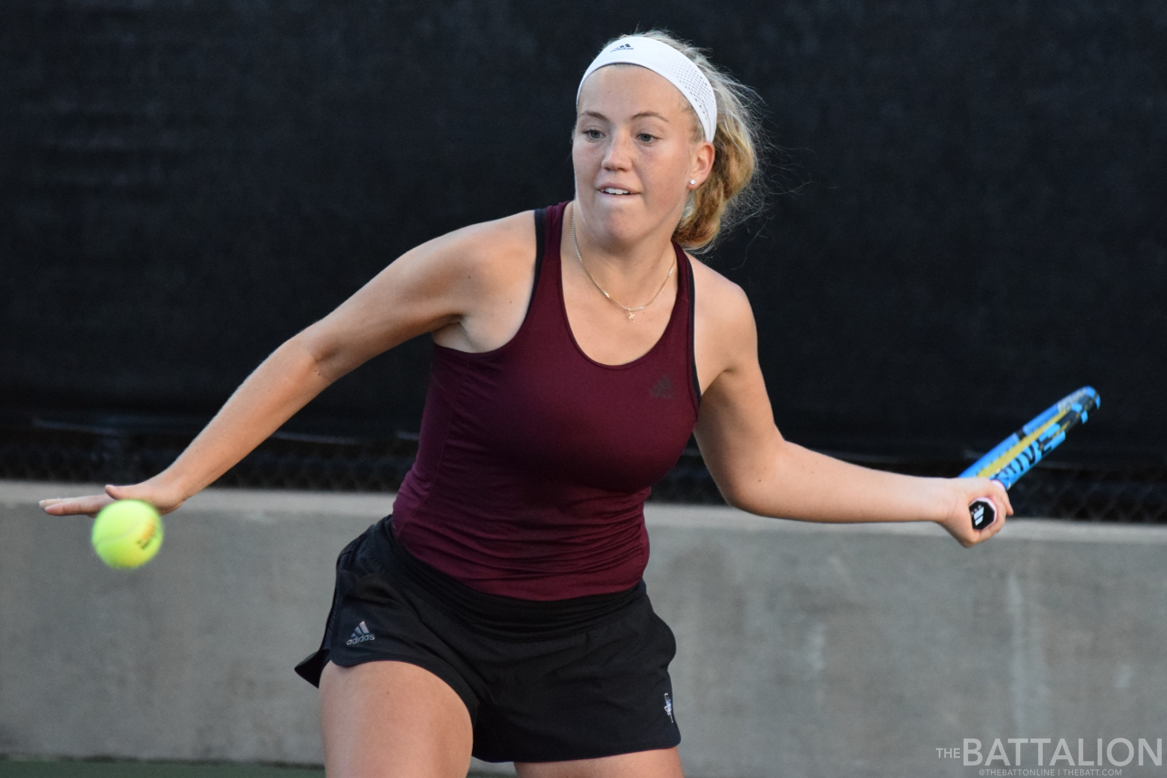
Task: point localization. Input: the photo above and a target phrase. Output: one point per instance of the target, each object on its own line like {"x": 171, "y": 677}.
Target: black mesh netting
{"x": 971, "y": 231}
{"x": 78, "y": 453}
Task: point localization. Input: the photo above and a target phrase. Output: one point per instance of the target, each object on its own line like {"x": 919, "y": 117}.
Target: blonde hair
{"x": 734, "y": 190}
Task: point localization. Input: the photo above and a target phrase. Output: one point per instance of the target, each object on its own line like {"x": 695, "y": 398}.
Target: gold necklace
{"x": 630, "y": 311}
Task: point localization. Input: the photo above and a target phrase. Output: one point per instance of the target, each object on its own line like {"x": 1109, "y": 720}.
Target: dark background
{"x": 974, "y": 220}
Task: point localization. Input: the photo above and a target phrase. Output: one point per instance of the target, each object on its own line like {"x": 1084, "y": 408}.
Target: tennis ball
{"x": 127, "y": 533}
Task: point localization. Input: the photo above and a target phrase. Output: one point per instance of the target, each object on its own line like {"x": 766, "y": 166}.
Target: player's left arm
{"x": 759, "y": 471}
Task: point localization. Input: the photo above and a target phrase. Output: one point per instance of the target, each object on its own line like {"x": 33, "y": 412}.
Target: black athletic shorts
{"x": 543, "y": 681}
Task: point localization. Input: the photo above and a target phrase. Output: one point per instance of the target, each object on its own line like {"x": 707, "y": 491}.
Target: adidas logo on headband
{"x": 623, "y": 47}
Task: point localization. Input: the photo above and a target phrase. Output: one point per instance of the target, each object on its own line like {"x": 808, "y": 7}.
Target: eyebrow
{"x": 641, "y": 115}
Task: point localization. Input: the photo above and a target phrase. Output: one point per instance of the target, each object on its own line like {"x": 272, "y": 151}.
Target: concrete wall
{"x": 805, "y": 650}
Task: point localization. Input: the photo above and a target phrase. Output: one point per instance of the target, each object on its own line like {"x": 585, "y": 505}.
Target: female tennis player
{"x": 500, "y": 610}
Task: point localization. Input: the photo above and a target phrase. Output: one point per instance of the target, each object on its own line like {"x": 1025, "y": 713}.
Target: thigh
{"x": 664, "y": 763}
{"x": 386, "y": 719}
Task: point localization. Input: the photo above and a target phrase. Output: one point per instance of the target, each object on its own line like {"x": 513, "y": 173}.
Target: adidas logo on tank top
{"x": 663, "y": 388}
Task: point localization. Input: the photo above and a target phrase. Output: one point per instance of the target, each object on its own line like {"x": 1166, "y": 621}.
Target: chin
{"x": 622, "y": 221}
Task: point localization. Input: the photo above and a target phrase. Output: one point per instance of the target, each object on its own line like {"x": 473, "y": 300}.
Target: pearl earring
{"x": 692, "y": 182}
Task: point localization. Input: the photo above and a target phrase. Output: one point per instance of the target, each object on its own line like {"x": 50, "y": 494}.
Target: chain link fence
{"x": 78, "y": 453}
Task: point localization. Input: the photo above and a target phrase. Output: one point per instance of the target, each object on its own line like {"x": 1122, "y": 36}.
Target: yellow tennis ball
{"x": 127, "y": 533}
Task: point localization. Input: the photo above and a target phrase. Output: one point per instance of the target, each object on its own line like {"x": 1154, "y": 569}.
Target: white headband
{"x": 669, "y": 63}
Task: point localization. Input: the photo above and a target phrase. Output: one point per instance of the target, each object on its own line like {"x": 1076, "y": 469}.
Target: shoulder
{"x": 475, "y": 274}
{"x": 724, "y": 334}
{"x": 488, "y": 246}
{"x": 499, "y": 234}
{"x": 483, "y": 276}
{"x": 468, "y": 265}
{"x": 720, "y": 305}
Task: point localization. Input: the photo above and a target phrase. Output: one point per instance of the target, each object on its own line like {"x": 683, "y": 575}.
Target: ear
{"x": 702, "y": 162}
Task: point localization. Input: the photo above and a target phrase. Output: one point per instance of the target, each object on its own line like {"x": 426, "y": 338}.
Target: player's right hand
{"x": 164, "y": 498}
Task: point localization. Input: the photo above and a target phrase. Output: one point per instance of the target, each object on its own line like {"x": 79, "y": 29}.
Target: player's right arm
{"x": 455, "y": 285}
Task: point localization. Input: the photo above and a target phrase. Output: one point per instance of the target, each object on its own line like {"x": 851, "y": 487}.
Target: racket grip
{"x": 982, "y": 513}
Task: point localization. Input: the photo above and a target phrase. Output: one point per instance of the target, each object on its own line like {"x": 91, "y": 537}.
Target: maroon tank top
{"x": 535, "y": 461}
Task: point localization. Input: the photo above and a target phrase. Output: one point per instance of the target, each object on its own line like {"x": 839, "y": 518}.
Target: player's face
{"x": 636, "y": 147}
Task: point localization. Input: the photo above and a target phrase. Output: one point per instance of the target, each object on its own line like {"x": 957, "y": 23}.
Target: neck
{"x": 633, "y": 281}
{"x": 626, "y": 263}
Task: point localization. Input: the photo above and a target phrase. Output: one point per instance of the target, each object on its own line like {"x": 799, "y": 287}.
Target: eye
{"x": 592, "y": 134}
{"x": 645, "y": 137}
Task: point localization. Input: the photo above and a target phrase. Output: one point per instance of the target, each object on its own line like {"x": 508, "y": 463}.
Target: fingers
{"x": 1004, "y": 495}
{"x": 154, "y": 492}
{"x": 117, "y": 492}
{"x": 969, "y": 537}
{"x": 996, "y": 494}
{"x": 75, "y": 506}
{"x": 965, "y": 492}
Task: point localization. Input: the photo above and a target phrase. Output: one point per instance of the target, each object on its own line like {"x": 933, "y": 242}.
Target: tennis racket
{"x": 1016, "y": 454}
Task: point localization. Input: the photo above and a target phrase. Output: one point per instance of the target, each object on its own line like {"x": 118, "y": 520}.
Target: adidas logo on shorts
{"x": 360, "y": 635}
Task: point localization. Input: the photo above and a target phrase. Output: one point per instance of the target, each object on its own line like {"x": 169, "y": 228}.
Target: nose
{"x": 619, "y": 151}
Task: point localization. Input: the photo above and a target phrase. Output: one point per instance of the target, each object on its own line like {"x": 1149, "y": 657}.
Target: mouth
{"x": 611, "y": 190}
